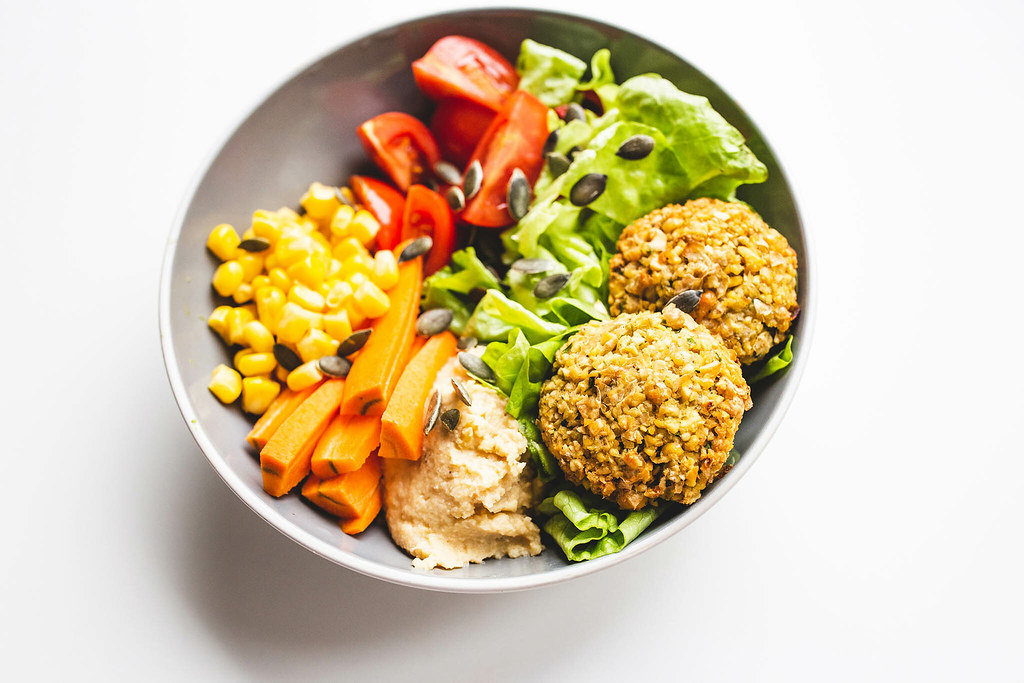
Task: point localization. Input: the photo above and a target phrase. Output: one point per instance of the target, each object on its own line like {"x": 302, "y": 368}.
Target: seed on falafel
{"x": 643, "y": 407}
{"x": 746, "y": 270}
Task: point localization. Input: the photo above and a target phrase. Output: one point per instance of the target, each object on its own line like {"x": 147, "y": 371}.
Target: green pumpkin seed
{"x": 476, "y": 367}
{"x": 532, "y": 266}
{"x": 518, "y": 194}
{"x": 447, "y": 173}
{"x": 353, "y": 342}
{"x": 455, "y": 198}
{"x": 334, "y": 366}
{"x": 254, "y": 244}
{"x": 433, "y": 411}
{"x": 685, "y": 301}
{"x": 550, "y": 143}
{"x": 551, "y": 285}
{"x": 450, "y": 418}
{"x": 461, "y": 392}
{"x": 418, "y": 247}
{"x": 588, "y": 188}
{"x": 286, "y": 358}
{"x": 574, "y": 112}
{"x": 473, "y": 179}
{"x": 558, "y": 164}
{"x": 434, "y": 321}
{"x": 636, "y": 147}
{"x": 466, "y": 343}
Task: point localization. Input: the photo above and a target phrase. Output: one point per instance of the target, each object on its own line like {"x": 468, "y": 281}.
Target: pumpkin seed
{"x": 353, "y": 342}
{"x": 254, "y": 244}
{"x": 573, "y": 151}
{"x": 550, "y": 143}
{"x": 475, "y": 366}
{"x": 473, "y": 180}
{"x": 286, "y": 358}
{"x": 434, "y": 321}
{"x": 532, "y": 266}
{"x": 450, "y": 418}
{"x": 466, "y": 343}
{"x": 551, "y": 285}
{"x": 558, "y": 164}
{"x": 334, "y": 366}
{"x": 418, "y": 247}
{"x": 574, "y": 112}
{"x": 433, "y": 410}
{"x": 447, "y": 172}
{"x": 461, "y": 392}
{"x": 685, "y": 301}
{"x": 636, "y": 147}
{"x": 588, "y": 188}
{"x": 518, "y": 194}
{"x": 455, "y": 198}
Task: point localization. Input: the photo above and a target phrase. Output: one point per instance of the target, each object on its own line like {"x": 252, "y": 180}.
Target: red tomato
{"x": 457, "y": 126}
{"x": 456, "y": 66}
{"x": 427, "y": 213}
{"x": 386, "y": 204}
{"x": 401, "y": 145}
{"x": 515, "y": 139}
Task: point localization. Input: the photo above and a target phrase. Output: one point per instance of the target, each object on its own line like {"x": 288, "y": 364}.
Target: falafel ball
{"x": 643, "y": 407}
{"x": 745, "y": 269}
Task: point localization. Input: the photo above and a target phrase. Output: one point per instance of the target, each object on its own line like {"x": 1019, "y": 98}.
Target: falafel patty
{"x": 746, "y": 270}
{"x": 642, "y": 407}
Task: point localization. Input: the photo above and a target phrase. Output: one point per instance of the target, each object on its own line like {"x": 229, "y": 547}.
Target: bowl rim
{"x": 438, "y": 581}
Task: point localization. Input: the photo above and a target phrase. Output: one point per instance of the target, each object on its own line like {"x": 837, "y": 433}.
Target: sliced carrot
{"x": 401, "y": 434}
{"x": 285, "y": 459}
{"x": 345, "y": 445}
{"x": 281, "y": 407}
{"x": 358, "y": 524}
{"x": 376, "y": 370}
{"x": 346, "y": 494}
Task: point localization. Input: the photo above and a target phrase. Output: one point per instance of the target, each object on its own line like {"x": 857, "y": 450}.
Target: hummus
{"x": 466, "y": 498}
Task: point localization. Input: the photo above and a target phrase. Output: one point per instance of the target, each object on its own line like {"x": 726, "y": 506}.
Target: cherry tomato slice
{"x": 515, "y": 139}
{"x": 386, "y": 204}
{"x": 456, "y": 66}
{"x": 457, "y": 126}
{"x": 401, "y": 145}
{"x": 427, "y": 213}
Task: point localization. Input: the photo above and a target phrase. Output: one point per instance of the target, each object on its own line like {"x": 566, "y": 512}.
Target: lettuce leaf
{"x": 776, "y": 362}
{"x": 495, "y": 316}
{"x": 586, "y": 528}
{"x": 450, "y": 286}
{"x": 521, "y": 367}
{"x": 548, "y": 73}
{"x": 543, "y": 462}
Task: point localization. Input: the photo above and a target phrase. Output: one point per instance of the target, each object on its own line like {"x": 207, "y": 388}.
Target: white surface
{"x": 878, "y": 536}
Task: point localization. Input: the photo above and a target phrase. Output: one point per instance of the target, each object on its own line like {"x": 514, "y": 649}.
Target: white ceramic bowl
{"x": 304, "y": 131}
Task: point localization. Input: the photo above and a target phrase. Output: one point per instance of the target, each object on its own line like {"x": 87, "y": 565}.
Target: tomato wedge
{"x": 456, "y": 66}
{"x": 401, "y": 145}
{"x": 427, "y": 213}
{"x": 386, "y": 204}
{"x": 457, "y": 126}
{"x": 515, "y": 139}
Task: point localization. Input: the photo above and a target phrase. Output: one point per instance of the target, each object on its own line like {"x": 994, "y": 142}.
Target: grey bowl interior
{"x": 305, "y": 131}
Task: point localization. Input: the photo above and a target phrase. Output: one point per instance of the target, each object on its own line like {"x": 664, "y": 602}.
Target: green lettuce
{"x": 543, "y": 462}
{"x": 776, "y": 362}
{"x": 585, "y": 527}
{"x": 521, "y": 367}
{"x": 547, "y": 73}
{"x": 450, "y": 286}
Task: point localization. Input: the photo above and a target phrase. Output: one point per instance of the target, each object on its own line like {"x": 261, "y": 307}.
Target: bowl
{"x": 304, "y": 131}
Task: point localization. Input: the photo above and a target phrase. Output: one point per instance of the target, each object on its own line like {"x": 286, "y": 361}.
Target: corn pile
{"x": 302, "y": 282}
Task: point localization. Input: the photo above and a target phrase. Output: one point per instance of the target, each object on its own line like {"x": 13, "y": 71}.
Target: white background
{"x": 878, "y": 537}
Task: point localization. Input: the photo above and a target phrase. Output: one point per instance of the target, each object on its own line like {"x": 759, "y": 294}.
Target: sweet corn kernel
{"x": 281, "y": 374}
{"x": 292, "y": 249}
{"x": 359, "y": 263}
{"x": 248, "y": 234}
{"x": 338, "y": 294}
{"x": 266, "y": 224}
{"x": 257, "y": 336}
{"x": 258, "y": 393}
{"x": 314, "y": 344}
{"x": 259, "y": 281}
{"x": 270, "y": 261}
{"x": 239, "y": 355}
{"x": 320, "y": 239}
{"x": 385, "y": 269}
{"x": 243, "y": 294}
{"x": 339, "y": 222}
{"x": 256, "y": 363}
{"x": 370, "y": 301}
{"x": 225, "y": 383}
{"x": 333, "y": 269}
{"x": 228, "y": 276}
{"x": 296, "y": 321}
{"x": 337, "y": 324}
{"x": 363, "y": 226}
{"x": 252, "y": 265}
{"x": 218, "y": 321}
{"x": 287, "y": 214}
{"x": 279, "y": 279}
{"x": 304, "y": 376}
{"x": 223, "y": 242}
{"x": 355, "y": 316}
{"x": 310, "y": 271}
{"x": 320, "y": 201}
{"x": 306, "y": 297}
{"x": 269, "y": 304}
{"x": 347, "y": 248}
{"x": 356, "y": 279}
{"x": 239, "y": 317}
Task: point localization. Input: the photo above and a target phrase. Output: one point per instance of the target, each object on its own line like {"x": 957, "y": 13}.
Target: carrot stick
{"x": 401, "y": 434}
{"x": 281, "y": 407}
{"x": 376, "y": 370}
{"x": 357, "y": 524}
{"x": 285, "y": 459}
{"x": 345, "y": 445}
{"x": 345, "y": 495}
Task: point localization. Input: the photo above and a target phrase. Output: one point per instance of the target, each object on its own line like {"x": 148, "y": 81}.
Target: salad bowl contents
{"x": 529, "y": 326}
